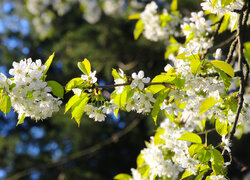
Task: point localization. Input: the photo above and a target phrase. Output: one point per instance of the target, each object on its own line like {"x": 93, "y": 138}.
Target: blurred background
{"x": 76, "y": 29}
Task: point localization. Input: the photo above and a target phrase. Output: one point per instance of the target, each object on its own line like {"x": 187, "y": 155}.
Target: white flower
{"x": 167, "y": 67}
{"x": 226, "y": 143}
{"x": 31, "y": 95}
{"x": 139, "y": 80}
{"x": 218, "y": 177}
{"x": 218, "y": 53}
{"x": 77, "y": 91}
{"x": 90, "y": 78}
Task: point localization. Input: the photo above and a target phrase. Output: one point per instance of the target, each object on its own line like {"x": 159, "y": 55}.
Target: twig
{"x": 113, "y": 139}
{"x": 126, "y": 84}
{"x": 240, "y": 29}
{"x": 213, "y": 36}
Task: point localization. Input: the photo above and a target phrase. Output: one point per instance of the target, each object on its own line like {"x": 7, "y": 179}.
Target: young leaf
{"x": 224, "y": 23}
{"x": 48, "y": 63}
{"x": 71, "y": 102}
{"x": 226, "y": 79}
{"x": 186, "y": 174}
{"x": 207, "y": 104}
{"x": 191, "y": 137}
{"x": 224, "y": 67}
{"x": 78, "y": 111}
{"x": 162, "y": 96}
{"x": 204, "y": 156}
{"x": 174, "y": 5}
{"x": 221, "y": 127}
{"x": 115, "y": 74}
{"x": 134, "y": 16}
{"x": 194, "y": 148}
{"x": 218, "y": 161}
{"x": 5, "y": 104}
{"x": 73, "y": 83}
{"x": 57, "y": 88}
{"x": 85, "y": 66}
{"x": 20, "y": 119}
{"x": 195, "y": 64}
{"x": 138, "y": 29}
{"x": 140, "y": 160}
{"x": 122, "y": 177}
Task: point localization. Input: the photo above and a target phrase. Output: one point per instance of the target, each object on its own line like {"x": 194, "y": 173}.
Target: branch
{"x": 127, "y": 84}
{"x": 213, "y": 36}
{"x": 241, "y": 59}
{"x": 113, "y": 139}
{"x": 215, "y": 74}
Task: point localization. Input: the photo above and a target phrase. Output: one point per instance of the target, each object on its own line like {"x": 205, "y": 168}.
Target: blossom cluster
{"x": 29, "y": 93}
{"x": 196, "y": 29}
{"x": 156, "y": 29}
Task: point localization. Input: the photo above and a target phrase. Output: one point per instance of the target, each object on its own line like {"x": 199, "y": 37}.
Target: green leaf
{"x": 221, "y": 127}
{"x": 226, "y": 80}
{"x": 140, "y": 161}
{"x": 200, "y": 176}
{"x": 57, "y": 88}
{"x": 5, "y": 104}
{"x": 247, "y": 50}
{"x": 78, "y": 110}
{"x": 157, "y": 105}
{"x": 85, "y": 66}
{"x": 179, "y": 82}
{"x": 157, "y": 137}
{"x": 190, "y": 137}
{"x": 174, "y": 5}
{"x": 171, "y": 49}
{"x": 122, "y": 177}
{"x": 155, "y": 88}
{"x": 48, "y": 63}
{"x": 214, "y": 2}
{"x": 115, "y": 74}
{"x": 186, "y": 174}
{"x": 224, "y": 67}
{"x": 226, "y": 2}
{"x": 138, "y": 29}
{"x": 181, "y": 56}
{"x": 224, "y": 23}
{"x": 207, "y": 104}
{"x": 194, "y": 148}
{"x": 218, "y": 161}
{"x": 134, "y": 16}
{"x": 20, "y": 119}
{"x": 164, "y": 18}
{"x": 73, "y": 83}
{"x": 71, "y": 102}
{"x": 144, "y": 170}
{"x": 195, "y": 64}
{"x": 204, "y": 156}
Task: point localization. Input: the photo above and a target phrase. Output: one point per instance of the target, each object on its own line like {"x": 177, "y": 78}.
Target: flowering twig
{"x": 127, "y": 84}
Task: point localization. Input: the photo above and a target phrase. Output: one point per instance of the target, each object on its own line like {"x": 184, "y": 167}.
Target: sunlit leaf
{"x": 157, "y": 105}
{"x": 207, "y": 104}
{"x": 138, "y": 29}
{"x": 20, "y": 119}
{"x": 224, "y": 67}
{"x": 190, "y": 137}
{"x": 174, "y": 5}
{"x": 85, "y": 66}
{"x": 57, "y": 88}
{"x": 122, "y": 177}
{"x": 48, "y": 63}
{"x": 221, "y": 127}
